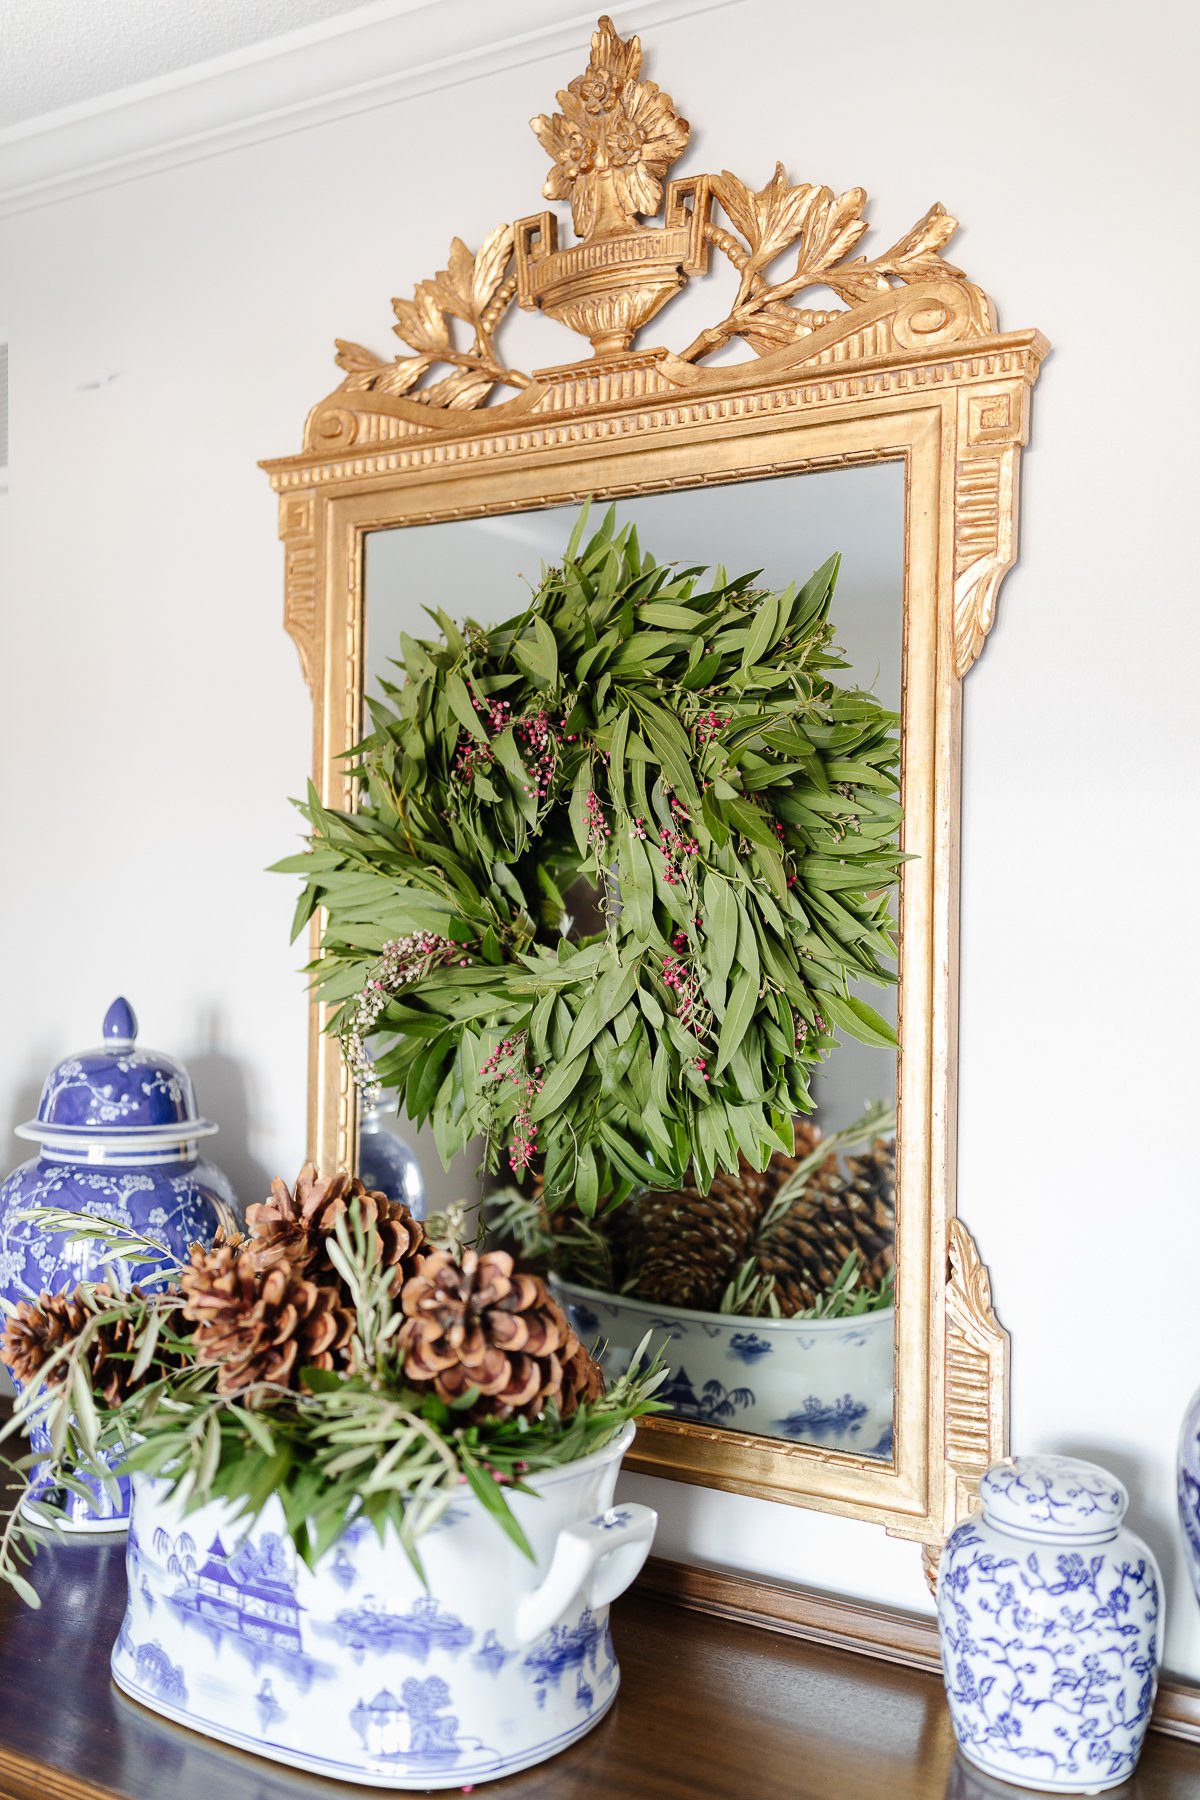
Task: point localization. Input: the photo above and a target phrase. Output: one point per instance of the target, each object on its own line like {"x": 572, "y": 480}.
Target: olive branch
{"x": 823, "y": 228}
{"x": 477, "y": 290}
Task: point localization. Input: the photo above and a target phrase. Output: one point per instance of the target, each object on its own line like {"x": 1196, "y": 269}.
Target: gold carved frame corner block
{"x": 851, "y": 358}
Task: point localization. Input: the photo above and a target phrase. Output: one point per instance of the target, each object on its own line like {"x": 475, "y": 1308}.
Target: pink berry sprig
{"x": 508, "y": 1063}
{"x": 680, "y": 977}
{"x": 710, "y": 725}
{"x": 598, "y": 828}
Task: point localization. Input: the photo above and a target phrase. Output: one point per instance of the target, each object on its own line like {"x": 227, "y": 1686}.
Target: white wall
{"x": 152, "y": 719}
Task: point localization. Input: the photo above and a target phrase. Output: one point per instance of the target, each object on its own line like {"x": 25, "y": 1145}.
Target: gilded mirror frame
{"x": 908, "y": 367}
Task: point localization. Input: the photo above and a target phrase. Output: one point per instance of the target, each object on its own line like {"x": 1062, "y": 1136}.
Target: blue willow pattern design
{"x": 1080, "y": 1639}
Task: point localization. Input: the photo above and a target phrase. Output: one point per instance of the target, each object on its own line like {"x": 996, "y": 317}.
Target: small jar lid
{"x": 1053, "y": 1496}
{"x": 117, "y": 1093}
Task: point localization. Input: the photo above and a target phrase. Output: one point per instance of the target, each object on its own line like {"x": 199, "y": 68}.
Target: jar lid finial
{"x": 120, "y": 1022}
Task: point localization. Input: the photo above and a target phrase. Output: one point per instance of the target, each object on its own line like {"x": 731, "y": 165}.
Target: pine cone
{"x": 842, "y": 1209}
{"x": 582, "y": 1378}
{"x": 477, "y": 1324}
{"x": 40, "y": 1329}
{"x": 682, "y": 1247}
{"x": 37, "y": 1330}
{"x": 292, "y": 1228}
{"x": 261, "y": 1324}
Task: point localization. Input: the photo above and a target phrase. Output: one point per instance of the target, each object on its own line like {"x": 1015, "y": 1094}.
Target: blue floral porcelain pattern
{"x": 117, "y": 1087}
{"x": 1033, "y": 1494}
{"x": 817, "y": 1419}
{"x": 118, "y": 1130}
{"x": 749, "y": 1347}
{"x": 1189, "y": 1488}
{"x": 1050, "y": 1648}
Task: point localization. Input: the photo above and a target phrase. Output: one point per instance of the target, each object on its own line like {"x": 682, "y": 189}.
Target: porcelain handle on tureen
{"x": 600, "y": 1556}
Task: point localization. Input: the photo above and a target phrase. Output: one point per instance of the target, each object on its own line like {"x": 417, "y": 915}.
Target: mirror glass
{"x": 789, "y": 1330}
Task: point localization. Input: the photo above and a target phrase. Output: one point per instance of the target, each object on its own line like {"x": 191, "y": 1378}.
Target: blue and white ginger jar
{"x": 119, "y": 1137}
{"x": 1051, "y": 1621}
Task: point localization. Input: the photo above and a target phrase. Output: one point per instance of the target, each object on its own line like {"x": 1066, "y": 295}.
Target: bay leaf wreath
{"x": 678, "y": 741}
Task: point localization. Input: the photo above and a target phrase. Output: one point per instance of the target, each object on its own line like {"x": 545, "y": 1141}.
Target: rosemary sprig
{"x": 357, "y": 1444}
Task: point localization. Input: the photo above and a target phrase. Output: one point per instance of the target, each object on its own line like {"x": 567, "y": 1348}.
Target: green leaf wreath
{"x": 678, "y": 741}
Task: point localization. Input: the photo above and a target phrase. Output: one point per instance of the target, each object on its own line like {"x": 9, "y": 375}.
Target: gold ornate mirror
{"x": 844, "y": 401}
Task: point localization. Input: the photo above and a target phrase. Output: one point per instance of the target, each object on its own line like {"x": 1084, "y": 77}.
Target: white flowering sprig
{"x": 401, "y": 963}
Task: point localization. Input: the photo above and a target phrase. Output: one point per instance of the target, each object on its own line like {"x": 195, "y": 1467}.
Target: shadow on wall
{"x": 17, "y": 1151}
{"x": 1148, "y": 1515}
{"x": 225, "y": 1094}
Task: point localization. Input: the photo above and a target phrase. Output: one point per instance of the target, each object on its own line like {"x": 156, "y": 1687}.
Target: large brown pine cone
{"x": 582, "y": 1377}
{"x": 683, "y": 1247}
{"x": 37, "y": 1330}
{"x": 261, "y": 1324}
{"x": 293, "y": 1227}
{"x": 40, "y": 1329}
{"x": 476, "y": 1324}
{"x": 843, "y": 1208}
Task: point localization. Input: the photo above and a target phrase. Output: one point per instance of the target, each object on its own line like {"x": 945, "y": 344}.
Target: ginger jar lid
{"x": 117, "y": 1095}
{"x": 1053, "y": 1497}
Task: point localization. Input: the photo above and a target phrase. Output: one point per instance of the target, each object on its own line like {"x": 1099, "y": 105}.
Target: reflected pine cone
{"x": 843, "y": 1208}
{"x": 37, "y": 1330}
{"x": 684, "y": 1246}
{"x": 292, "y": 1228}
{"x": 478, "y": 1324}
{"x": 260, "y": 1324}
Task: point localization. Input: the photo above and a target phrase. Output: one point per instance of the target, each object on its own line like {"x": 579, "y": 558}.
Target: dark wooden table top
{"x": 709, "y": 1710}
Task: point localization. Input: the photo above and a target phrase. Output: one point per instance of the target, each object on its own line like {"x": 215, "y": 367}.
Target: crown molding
{"x": 305, "y": 78}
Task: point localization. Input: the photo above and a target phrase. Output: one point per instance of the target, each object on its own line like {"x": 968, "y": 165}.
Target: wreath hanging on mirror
{"x": 675, "y": 747}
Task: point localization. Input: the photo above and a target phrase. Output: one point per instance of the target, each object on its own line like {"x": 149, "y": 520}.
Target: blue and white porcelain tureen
{"x": 118, "y": 1136}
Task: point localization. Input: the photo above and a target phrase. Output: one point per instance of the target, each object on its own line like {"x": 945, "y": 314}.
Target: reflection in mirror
{"x": 771, "y": 1291}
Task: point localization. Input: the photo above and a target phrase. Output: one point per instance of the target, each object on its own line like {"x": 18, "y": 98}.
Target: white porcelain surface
{"x": 355, "y": 1669}
{"x": 815, "y": 1381}
{"x": 1051, "y": 1619}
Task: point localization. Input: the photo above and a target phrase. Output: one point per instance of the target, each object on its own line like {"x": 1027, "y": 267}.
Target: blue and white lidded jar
{"x": 1051, "y": 1622}
{"x": 1189, "y": 1487}
{"x": 385, "y": 1163}
{"x": 119, "y": 1136}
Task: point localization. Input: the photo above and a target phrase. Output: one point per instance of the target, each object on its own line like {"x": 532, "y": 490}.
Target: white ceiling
{"x": 56, "y": 53}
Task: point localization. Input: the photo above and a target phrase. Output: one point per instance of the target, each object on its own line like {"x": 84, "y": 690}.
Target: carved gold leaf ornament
{"x": 610, "y": 146}
{"x": 613, "y": 141}
{"x": 476, "y": 289}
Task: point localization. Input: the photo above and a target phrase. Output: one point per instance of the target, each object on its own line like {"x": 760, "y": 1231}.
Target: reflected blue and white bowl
{"x": 814, "y": 1381}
